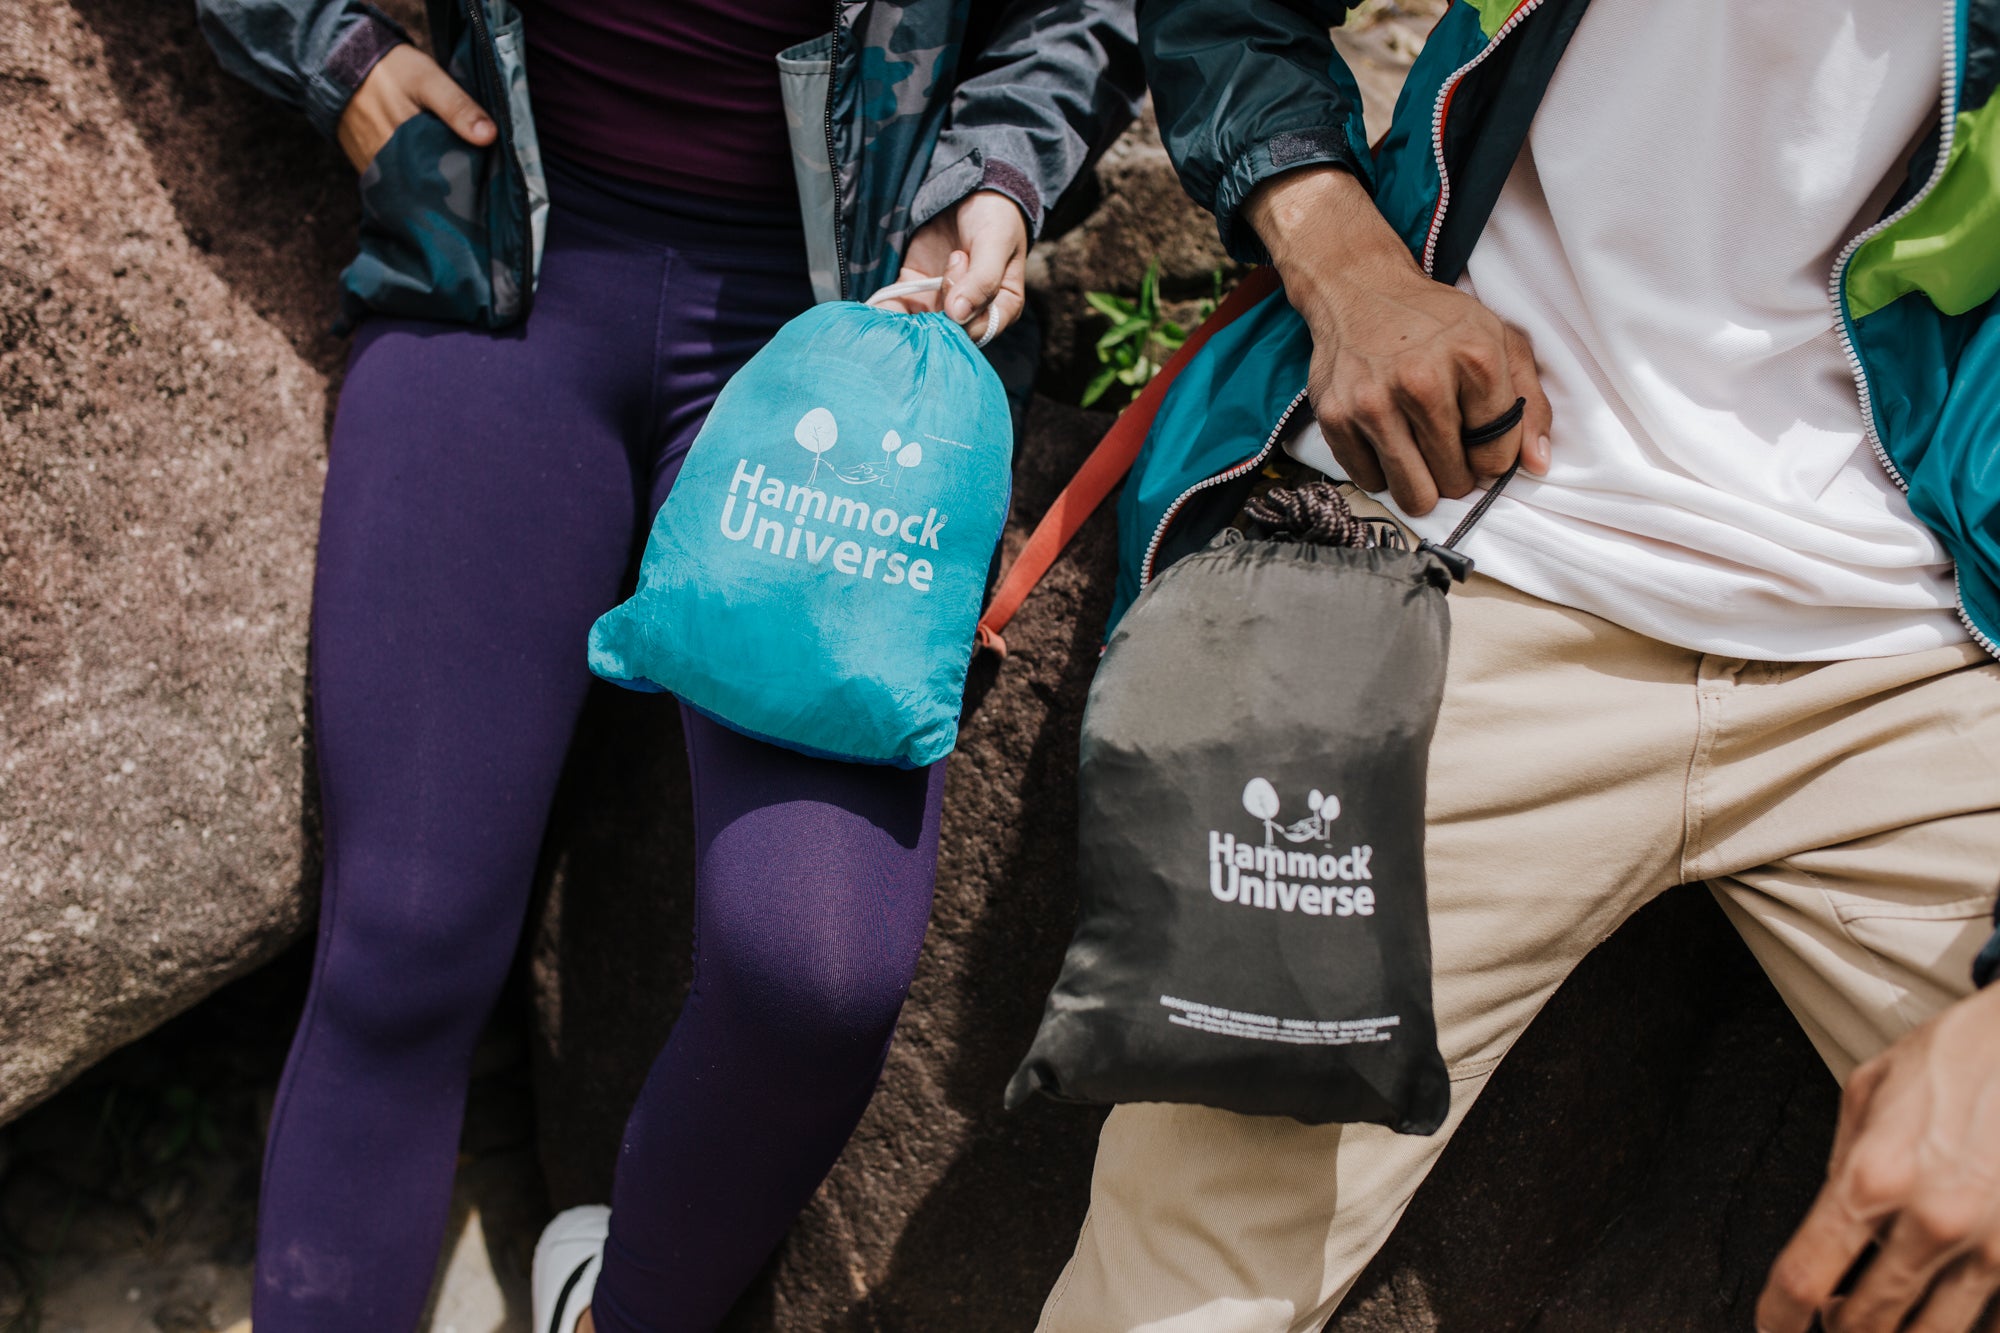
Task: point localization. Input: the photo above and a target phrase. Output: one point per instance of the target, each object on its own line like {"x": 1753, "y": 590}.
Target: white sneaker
{"x": 568, "y": 1258}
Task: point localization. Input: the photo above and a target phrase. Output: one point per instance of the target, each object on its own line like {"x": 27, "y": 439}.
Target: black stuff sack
{"x": 1252, "y": 930}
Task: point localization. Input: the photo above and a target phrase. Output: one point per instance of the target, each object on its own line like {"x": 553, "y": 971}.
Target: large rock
{"x": 161, "y": 446}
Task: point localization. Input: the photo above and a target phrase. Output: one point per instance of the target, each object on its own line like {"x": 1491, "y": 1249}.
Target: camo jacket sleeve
{"x": 1046, "y": 88}
{"x": 309, "y": 54}
{"x": 1246, "y": 89}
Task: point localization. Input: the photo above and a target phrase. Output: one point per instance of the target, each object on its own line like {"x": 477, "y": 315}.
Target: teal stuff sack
{"x": 815, "y": 576}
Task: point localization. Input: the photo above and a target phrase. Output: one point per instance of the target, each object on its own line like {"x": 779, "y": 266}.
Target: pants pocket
{"x": 1922, "y": 952}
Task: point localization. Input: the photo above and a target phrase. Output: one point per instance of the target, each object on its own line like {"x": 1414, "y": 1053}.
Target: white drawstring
{"x": 918, "y": 286}
{"x": 911, "y": 288}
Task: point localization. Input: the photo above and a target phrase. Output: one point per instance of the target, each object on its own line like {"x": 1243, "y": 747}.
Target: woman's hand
{"x": 979, "y": 246}
{"x": 404, "y": 82}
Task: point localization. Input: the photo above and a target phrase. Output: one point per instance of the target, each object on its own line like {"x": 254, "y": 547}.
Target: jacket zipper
{"x": 1429, "y": 260}
{"x": 1227, "y": 475}
{"x": 833, "y": 158}
{"x": 489, "y": 61}
{"x": 1449, "y": 87}
{"x": 1836, "y": 288}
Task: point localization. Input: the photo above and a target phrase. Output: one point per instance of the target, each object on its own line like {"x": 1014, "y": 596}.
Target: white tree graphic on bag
{"x": 1260, "y": 798}
{"x": 907, "y": 455}
{"x": 818, "y": 432}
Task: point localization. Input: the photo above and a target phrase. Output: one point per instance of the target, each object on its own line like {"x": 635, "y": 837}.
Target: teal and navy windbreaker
{"x": 1246, "y": 89}
{"x": 924, "y": 102}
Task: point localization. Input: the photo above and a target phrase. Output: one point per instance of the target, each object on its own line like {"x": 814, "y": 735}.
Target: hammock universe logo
{"x": 1291, "y": 878}
{"x": 811, "y": 521}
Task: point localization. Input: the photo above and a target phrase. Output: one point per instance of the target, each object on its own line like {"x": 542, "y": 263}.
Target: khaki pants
{"x": 1846, "y": 815}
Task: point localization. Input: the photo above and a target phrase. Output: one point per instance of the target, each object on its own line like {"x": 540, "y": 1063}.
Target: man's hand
{"x": 404, "y": 82}
{"x": 1401, "y": 365}
{"x": 979, "y": 246}
{"x": 1916, "y": 1170}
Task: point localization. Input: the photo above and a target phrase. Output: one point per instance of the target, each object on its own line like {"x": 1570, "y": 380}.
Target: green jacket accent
{"x": 1944, "y": 247}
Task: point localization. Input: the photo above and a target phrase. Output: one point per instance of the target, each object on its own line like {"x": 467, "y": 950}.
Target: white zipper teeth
{"x": 1230, "y": 474}
{"x": 1837, "y": 297}
{"x": 1978, "y": 635}
{"x": 1837, "y": 281}
{"x": 1437, "y": 127}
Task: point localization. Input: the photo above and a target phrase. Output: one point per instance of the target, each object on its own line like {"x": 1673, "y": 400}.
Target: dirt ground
{"x": 128, "y": 1202}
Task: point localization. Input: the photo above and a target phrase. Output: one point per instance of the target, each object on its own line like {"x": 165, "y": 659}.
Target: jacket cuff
{"x": 1008, "y": 179}
{"x": 1987, "y": 965}
{"x": 1316, "y": 146}
{"x": 951, "y": 178}
{"x": 368, "y": 36}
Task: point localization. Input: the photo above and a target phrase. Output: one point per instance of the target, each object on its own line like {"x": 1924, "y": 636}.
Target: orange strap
{"x": 1106, "y": 467}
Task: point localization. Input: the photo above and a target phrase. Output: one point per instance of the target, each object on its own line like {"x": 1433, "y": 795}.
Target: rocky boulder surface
{"x": 162, "y": 400}
{"x": 167, "y": 248}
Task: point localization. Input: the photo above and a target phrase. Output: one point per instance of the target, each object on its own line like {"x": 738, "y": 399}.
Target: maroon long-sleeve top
{"x": 680, "y": 93}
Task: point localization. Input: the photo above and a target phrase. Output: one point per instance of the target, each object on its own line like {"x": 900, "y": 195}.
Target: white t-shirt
{"x": 1666, "y": 240}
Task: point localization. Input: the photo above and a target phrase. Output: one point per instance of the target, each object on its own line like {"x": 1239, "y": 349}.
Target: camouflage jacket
{"x": 901, "y": 110}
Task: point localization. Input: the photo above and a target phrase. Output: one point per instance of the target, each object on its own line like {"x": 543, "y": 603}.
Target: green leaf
{"x": 1139, "y": 338}
{"x": 1100, "y": 384}
{"x": 1110, "y": 306}
{"x": 1132, "y": 331}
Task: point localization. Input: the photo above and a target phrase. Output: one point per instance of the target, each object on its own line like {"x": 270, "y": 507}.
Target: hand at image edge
{"x": 1915, "y": 1172}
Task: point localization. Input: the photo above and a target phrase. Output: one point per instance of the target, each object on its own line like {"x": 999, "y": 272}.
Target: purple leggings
{"x": 484, "y": 499}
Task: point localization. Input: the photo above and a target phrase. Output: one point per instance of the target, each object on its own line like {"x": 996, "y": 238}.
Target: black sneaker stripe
{"x": 562, "y": 1299}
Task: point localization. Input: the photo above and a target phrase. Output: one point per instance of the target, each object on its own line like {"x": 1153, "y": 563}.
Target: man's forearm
{"x": 1323, "y": 231}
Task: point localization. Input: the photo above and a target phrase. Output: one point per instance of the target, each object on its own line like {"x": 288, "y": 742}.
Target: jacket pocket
{"x": 447, "y": 227}
{"x": 425, "y": 252}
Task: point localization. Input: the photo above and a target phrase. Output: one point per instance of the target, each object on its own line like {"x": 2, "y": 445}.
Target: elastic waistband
{"x": 658, "y": 215}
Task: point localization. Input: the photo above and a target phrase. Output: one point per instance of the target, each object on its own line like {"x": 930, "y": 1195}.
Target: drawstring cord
{"x": 1318, "y": 513}
{"x": 914, "y": 287}
{"x": 1486, "y": 434}
{"x": 920, "y": 286}
{"x": 1455, "y": 560}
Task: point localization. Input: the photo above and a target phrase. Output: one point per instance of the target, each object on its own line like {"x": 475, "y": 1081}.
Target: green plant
{"x": 1141, "y": 337}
